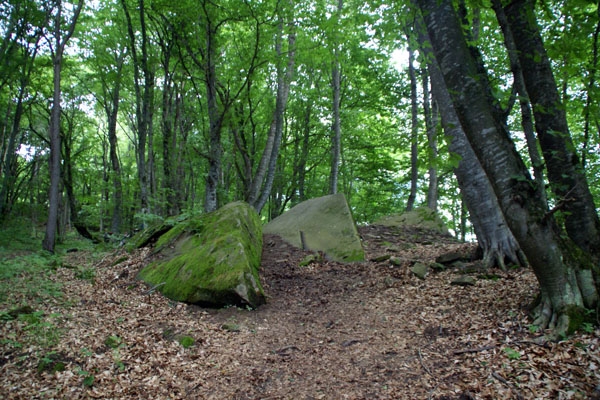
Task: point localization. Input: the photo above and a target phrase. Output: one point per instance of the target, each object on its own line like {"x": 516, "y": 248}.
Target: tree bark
{"x": 168, "y": 123}
{"x": 587, "y": 111}
{"x": 112, "y": 109}
{"x": 524, "y": 102}
{"x": 414, "y": 130}
{"x": 58, "y": 47}
{"x": 215, "y": 118}
{"x": 565, "y": 172}
{"x": 431, "y": 124}
{"x": 260, "y": 192}
{"x": 144, "y": 94}
{"x": 551, "y": 257}
{"x": 497, "y": 242}
{"x": 8, "y": 161}
{"x": 336, "y": 129}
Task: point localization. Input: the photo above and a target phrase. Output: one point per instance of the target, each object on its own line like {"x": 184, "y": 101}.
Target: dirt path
{"x": 329, "y": 331}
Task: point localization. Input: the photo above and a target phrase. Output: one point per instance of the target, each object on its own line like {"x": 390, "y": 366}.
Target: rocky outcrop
{"x": 324, "y": 224}
{"x": 210, "y": 259}
{"x": 423, "y": 218}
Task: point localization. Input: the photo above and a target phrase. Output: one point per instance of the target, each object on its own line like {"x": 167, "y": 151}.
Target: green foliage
{"x": 580, "y": 318}
{"x": 512, "y": 354}
{"x": 27, "y": 276}
{"x": 51, "y": 362}
{"x": 86, "y": 273}
{"x": 374, "y": 110}
{"x": 186, "y": 341}
{"x": 113, "y": 342}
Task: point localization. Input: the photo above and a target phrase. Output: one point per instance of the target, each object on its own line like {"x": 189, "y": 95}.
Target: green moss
{"x": 186, "y": 341}
{"x": 113, "y": 342}
{"x": 207, "y": 257}
{"x": 353, "y": 256}
{"x": 578, "y": 317}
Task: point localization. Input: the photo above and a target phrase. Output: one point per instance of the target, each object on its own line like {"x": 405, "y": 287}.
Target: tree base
{"x": 560, "y": 323}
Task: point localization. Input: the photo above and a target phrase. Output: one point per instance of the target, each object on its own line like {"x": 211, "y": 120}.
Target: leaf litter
{"x": 369, "y": 330}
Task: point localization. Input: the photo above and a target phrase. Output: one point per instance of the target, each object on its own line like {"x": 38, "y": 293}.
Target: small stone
{"x": 381, "y": 257}
{"x": 397, "y": 261}
{"x": 464, "y": 280}
{"x": 437, "y": 267}
{"x": 420, "y": 270}
{"x": 448, "y": 258}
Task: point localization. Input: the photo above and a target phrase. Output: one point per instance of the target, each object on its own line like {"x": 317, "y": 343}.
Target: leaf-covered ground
{"x": 329, "y": 331}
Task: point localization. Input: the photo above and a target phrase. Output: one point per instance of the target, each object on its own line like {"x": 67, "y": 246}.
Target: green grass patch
{"x": 25, "y": 278}
{"x": 28, "y": 283}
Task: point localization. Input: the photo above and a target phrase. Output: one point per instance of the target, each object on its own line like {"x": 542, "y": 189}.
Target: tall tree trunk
{"x": 524, "y": 102}
{"x": 336, "y": 129}
{"x": 554, "y": 262}
{"x": 169, "y": 139}
{"x": 112, "y": 109}
{"x": 267, "y": 167}
{"x": 7, "y": 167}
{"x": 565, "y": 173}
{"x": 495, "y": 239}
{"x": 431, "y": 125}
{"x": 147, "y": 177}
{"x": 304, "y": 153}
{"x": 414, "y": 129}
{"x": 593, "y": 70}
{"x": 72, "y": 211}
{"x": 143, "y": 98}
{"x": 215, "y": 118}
{"x": 55, "y": 146}
{"x": 58, "y": 47}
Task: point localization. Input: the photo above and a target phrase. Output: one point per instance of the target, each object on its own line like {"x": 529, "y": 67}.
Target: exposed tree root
{"x": 501, "y": 253}
{"x": 558, "y": 322}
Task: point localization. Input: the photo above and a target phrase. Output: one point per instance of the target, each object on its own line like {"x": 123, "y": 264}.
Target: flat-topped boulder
{"x": 210, "y": 259}
{"x": 422, "y": 217}
{"x": 323, "y": 224}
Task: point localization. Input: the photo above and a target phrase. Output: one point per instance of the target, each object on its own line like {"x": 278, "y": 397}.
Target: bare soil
{"x": 329, "y": 331}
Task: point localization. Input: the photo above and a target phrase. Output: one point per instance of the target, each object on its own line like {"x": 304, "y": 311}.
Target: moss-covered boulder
{"x": 323, "y": 224}
{"x": 210, "y": 259}
{"x": 423, "y": 218}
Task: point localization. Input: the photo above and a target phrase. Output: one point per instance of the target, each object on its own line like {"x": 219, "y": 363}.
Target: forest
{"x": 118, "y": 114}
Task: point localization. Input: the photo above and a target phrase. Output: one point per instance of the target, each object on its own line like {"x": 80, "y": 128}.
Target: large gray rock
{"x": 322, "y": 224}
{"x": 422, "y": 217}
{"x": 210, "y": 259}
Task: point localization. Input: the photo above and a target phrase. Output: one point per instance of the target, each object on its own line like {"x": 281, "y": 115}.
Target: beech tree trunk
{"x": 565, "y": 172}
{"x": 265, "y": 175}
{"x": 524, "y": 102}
{"x": 58, "y": 47}
{"x": 215, "y": 118}
{"x": 414, "y": 130}
{"x": 431, "y": 125}
{"x": 144, "y": 95}
{"x": 8, "y": 161}
{"x": 552, "y": 257}
{"x": 497, "y": 242}
{"x": 336, "y": 129}
{"x": 111, "y": 89}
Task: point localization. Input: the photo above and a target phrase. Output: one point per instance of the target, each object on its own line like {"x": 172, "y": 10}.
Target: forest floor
{"x": 328, "y": 331}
